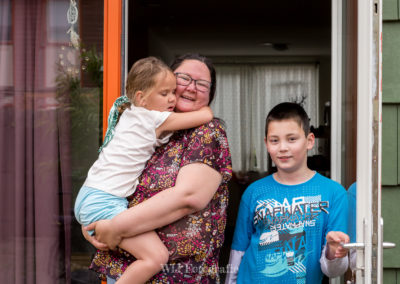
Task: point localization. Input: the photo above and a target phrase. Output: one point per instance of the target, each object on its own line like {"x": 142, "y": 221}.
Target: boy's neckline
{"x": 309, "y": 175}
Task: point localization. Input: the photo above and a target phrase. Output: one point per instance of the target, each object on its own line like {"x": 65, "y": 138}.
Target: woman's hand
{"x": 105, "y": 234}
{"x": 93, "y": 240}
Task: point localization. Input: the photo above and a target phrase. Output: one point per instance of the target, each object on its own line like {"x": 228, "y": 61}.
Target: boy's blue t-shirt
{"x": 282, "y": 229}
{"x": 352, "y": 198}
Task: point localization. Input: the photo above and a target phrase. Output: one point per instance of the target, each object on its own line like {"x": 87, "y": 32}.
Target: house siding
{"x": 391, "y": 138}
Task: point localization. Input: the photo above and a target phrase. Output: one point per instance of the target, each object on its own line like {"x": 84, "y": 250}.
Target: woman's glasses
{"x": 184, "y": 79}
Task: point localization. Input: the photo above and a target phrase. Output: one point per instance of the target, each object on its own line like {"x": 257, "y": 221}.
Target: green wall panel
{"x": 391, "y": 138}
{"x": 391, "y": 62}
{"x": 389, "y": 145}
{"x": 396, "y": 126}
{"x": 389, "y": 276}
{"x": 391, "y": 228}
{"x": 390, "y": 9}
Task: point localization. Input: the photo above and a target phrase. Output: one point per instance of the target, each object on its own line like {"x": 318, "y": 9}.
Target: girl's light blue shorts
{"x": 93, "y": 205}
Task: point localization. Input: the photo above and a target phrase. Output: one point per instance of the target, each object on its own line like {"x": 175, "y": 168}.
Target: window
{"x": 246, "y": 93}
{"x": 6, "y": 49}
{"x": 6, "y": 19}
{"x": 57, "y": 23}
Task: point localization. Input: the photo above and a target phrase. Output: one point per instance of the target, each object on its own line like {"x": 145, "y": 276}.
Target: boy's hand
{"x": 333, "y": 247}
{"x": 104, "y": 233}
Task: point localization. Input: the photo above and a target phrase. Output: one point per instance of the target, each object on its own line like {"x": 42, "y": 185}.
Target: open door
{"x": 369, "y": 224}
{"x": 369, "y": 236}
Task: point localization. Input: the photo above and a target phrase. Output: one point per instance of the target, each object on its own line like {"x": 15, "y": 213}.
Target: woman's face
{"x": 188, "y": 98}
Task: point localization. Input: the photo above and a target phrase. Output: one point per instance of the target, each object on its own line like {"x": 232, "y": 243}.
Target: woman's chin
{"x": 184, "y": 107}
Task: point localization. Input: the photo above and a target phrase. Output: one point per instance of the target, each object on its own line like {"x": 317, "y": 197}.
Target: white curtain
{"x": 245, "y": 95}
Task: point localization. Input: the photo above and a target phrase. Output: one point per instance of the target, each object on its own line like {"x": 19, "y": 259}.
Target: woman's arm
{"x": 195, "y": 186}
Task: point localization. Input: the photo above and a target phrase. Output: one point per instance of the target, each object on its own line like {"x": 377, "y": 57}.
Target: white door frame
{"x": 336, "y": 90}
{"x": 336, "y": 95}
{"x": 124, "y": 44}
{"x": 369, "y": 136}
{"x": 369, "y": 130}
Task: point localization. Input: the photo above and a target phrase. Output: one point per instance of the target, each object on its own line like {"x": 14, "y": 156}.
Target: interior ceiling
{"x": 235, "y": 27}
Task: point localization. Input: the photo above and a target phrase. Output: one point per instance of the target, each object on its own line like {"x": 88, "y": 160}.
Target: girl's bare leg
{"x": 150, "y": 253}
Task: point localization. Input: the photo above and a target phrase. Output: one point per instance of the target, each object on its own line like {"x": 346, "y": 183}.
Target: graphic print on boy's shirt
{"x": 282, "y": 229}
{"x": 282, "y": 243}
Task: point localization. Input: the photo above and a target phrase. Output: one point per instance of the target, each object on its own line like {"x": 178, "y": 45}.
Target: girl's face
{"x": 188, "y": 98}
{"x": 162, "y": 96}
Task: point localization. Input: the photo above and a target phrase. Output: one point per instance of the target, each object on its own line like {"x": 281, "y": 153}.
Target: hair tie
{"x": 112, "y": 119}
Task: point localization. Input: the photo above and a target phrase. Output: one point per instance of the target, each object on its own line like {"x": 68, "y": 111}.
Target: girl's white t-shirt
{"x": 122, "y": 161}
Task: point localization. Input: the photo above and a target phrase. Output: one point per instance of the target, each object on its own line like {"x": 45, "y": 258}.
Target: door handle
{"x": 385, "y": 245}
{"x": 353, "y": 245}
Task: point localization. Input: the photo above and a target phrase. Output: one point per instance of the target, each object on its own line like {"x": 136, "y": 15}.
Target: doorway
{"x": 260, "y": 32}
{"x": 246, "y": 34}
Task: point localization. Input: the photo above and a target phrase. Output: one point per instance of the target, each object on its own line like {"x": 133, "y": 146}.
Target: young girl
{"x": 147, "y": 123}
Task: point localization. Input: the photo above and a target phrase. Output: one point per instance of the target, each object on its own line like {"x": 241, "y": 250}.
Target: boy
{"x": 284, "y": 218}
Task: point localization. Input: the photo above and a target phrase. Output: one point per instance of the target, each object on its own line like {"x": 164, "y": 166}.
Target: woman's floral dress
{"x": 194, "y": 241}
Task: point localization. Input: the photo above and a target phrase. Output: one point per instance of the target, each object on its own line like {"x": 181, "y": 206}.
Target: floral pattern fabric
{"x": 194, "y": 241}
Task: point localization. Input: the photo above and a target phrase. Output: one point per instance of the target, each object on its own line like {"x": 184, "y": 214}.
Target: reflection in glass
{"x": 49, "y": 129}
{"x": 5, "y": 23}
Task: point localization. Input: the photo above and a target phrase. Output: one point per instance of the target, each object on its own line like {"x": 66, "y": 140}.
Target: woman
{"x": 195, "y": 166}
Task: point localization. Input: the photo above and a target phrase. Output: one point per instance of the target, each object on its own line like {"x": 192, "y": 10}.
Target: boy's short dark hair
{"x": 288, "y": 110}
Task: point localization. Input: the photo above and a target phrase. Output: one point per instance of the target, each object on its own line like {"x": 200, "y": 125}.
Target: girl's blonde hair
{"x": 142, "y": 75}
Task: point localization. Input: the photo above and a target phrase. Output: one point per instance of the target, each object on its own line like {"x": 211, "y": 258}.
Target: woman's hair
{"x": 195, "y": 56}
{"x": 142, "y": 75}
{"x": 288, "y": 110}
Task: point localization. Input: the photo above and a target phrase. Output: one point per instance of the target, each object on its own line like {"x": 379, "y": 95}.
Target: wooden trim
{"x": 336, "y": 90}
{"x": 112, "y": 55}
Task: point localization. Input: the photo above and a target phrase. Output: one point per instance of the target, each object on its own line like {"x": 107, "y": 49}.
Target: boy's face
{"x": 162, "y": 96}
{"x": 287, "y": 144}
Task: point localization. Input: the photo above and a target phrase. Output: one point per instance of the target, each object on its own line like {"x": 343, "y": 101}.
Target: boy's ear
{"x": 265, "y": 142}
{"x": 140, "y": 99}
{"x": 310, "y": 141}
